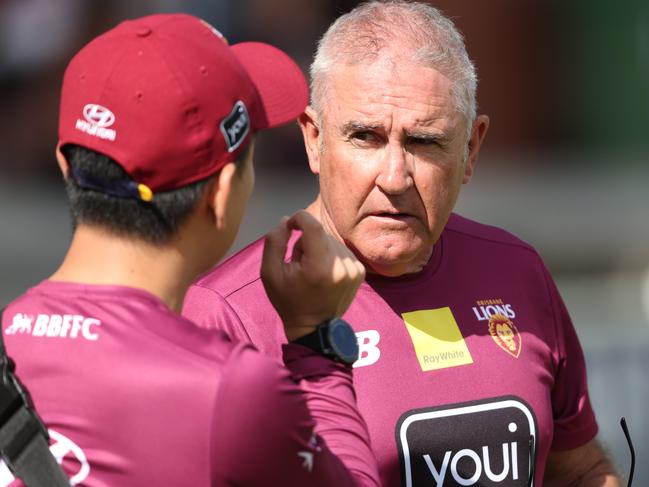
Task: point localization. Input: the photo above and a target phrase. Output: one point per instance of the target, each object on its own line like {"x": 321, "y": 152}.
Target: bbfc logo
{"x": 55, "y": 326}
{"x": 483, "y": 443}
{"x": 96, "y": 123}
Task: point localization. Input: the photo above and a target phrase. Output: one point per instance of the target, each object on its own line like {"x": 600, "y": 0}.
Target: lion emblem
{"x": 504, "y": 333}
{"x": 21, "y": 323}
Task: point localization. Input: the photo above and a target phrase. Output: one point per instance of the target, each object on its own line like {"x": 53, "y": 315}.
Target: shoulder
{"x": 131, "y": 319}
{"x": 489, "y": 252}
{"x": 238, "y": 271}
{"x": 479, "y": 234}
{"x": 211, "y": 344}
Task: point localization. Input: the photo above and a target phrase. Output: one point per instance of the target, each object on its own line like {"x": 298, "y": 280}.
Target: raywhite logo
{"x": 368, "y": 352}
{"x": 55, "y": 326}
{"x": 61, "y": 448}
{"x": 97, "y": 120}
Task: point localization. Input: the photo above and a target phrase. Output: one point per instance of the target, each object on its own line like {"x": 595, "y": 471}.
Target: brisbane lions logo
{"x": 505, "y": 334}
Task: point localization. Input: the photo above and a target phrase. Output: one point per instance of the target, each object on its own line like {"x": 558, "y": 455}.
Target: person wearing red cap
{"x": 155, "y": 144}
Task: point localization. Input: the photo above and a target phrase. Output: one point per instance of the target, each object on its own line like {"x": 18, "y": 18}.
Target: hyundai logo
{"x": 98, "y": 115}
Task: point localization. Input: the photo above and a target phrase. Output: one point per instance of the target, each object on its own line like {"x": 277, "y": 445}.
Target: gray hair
{"x": 361, "y": 35}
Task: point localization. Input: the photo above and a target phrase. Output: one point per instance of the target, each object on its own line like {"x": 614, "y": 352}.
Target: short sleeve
{"x": 574, "y": 419}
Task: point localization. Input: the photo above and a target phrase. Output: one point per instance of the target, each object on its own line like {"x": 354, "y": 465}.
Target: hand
{"x": 317, "y": 283}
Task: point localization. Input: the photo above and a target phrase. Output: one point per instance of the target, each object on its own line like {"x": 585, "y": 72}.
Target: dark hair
{"x": 155, "y": 222}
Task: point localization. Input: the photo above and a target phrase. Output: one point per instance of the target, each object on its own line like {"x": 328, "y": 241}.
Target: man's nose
{"x": 395, "y": 175}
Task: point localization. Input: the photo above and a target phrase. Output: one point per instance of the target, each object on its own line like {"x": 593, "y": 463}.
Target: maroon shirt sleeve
{"x": 574, "y": 419}
{"x": 207, "y": 308}
{"x": 263, "y": 432}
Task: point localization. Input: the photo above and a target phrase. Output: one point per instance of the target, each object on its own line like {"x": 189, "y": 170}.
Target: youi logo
{"x": 487, "y": 443}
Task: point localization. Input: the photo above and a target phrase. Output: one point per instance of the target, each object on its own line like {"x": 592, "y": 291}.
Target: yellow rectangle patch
{"x": 437, "y": 339}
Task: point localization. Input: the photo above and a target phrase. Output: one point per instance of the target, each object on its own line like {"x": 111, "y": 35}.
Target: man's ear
{"x": 310, "y": 126}
{"x": 62, "y": 162}
{"x": 478, "y": 133}
{"x": 220, "y": 192}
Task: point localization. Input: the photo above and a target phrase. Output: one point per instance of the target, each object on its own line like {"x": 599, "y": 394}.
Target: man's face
{"x": 390, "y": 157}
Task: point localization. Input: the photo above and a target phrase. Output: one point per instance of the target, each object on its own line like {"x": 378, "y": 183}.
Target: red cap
{"x": 167, "y": 98}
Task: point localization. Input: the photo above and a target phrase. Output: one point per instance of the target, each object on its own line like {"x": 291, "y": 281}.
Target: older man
{"x": 471, "y": 372}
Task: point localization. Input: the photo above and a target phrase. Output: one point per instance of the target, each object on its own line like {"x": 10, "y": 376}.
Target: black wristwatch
{"x": 334, "y": 339}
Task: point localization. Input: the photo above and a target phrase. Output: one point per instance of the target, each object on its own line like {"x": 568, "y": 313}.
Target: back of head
{"x": 93, "y": 203}
{"x": 154, "y": 108}
{"x": 400, "y": 31}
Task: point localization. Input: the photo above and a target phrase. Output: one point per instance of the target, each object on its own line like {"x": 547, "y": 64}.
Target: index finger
{"x": 311, "y": 228}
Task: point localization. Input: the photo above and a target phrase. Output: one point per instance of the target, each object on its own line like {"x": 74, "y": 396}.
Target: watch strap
{"x": 315, "y": 340}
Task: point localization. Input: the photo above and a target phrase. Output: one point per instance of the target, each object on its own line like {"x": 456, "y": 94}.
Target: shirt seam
{"x": 227, "y": 303}
{"x": 225, "y": 296}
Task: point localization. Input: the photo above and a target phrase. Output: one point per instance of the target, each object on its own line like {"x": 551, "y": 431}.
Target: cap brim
{"x": 279, "y": 81}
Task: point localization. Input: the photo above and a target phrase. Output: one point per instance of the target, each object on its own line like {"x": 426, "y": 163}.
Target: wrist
{"x": 297, "y": 327}
{"x": 295, "y": 332}
{"x": 333, "y": 338}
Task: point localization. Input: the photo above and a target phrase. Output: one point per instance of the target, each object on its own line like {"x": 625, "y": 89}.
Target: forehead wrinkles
{"x": 372, "y": 93}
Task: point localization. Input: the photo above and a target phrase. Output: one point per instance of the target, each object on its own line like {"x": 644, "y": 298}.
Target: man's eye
{"x": 365, "y": 136}
{"x": 422, "y": 141}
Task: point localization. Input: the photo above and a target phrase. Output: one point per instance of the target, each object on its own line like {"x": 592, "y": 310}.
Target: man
{"x": 155, "y": 144}
{"x": 470, "y": 371}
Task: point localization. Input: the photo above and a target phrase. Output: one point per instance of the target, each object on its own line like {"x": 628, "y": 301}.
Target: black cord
{"x": 628, "y": 440}
{"x": 532, "y": 469}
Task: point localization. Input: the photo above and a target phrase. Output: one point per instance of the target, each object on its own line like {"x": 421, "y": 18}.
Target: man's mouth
{"x": 394, "y": 215}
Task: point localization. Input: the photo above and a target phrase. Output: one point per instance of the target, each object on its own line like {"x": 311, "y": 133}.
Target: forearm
{"x": 263, "y": 432}
{"x": 586, "y": 466}
{"x": 599, "y": 479}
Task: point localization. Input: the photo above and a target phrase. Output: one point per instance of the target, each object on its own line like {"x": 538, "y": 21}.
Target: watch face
{"x": 343, "y": 340}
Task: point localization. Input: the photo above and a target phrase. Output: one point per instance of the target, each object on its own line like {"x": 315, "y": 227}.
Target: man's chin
{"x": 394, "y": 264}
